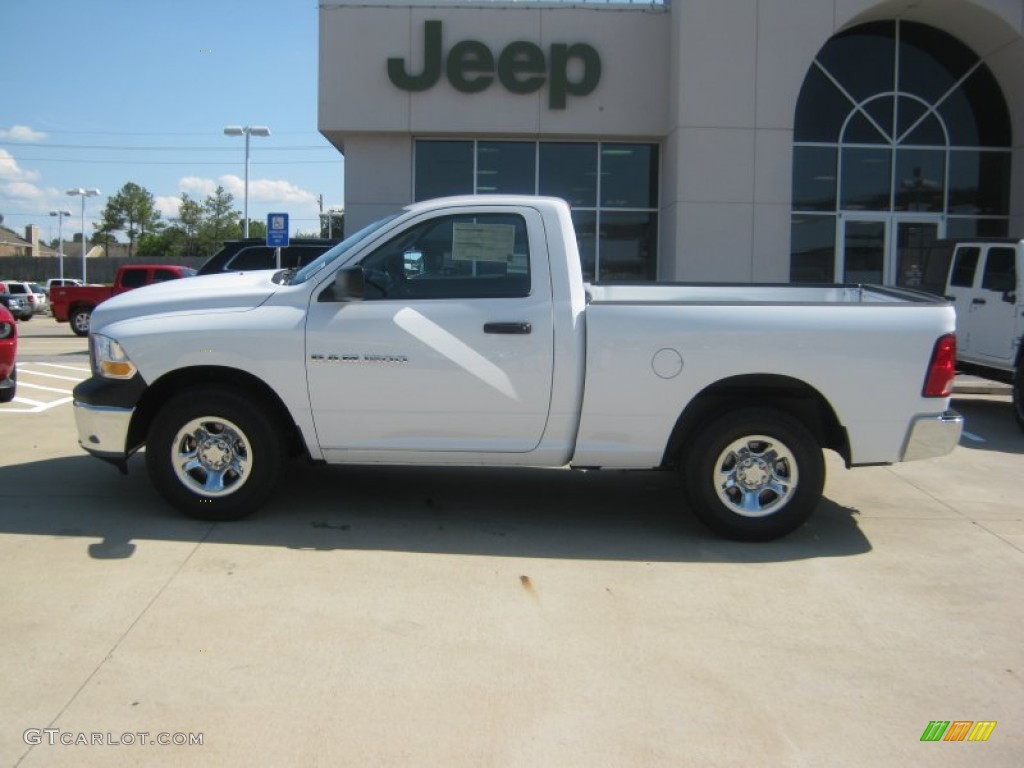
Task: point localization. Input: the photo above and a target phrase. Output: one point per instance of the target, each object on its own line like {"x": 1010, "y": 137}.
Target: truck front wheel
{"x": 80, "y": 321}
{"x": 754, "y": 474}
{"x": 213, "y": 454}
{"x": 1018, "y": 394}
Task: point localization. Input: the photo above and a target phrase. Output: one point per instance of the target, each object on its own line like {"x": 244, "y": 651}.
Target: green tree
{"x": 132, "y": 210}
{"x": 332, "y": 225}
{"x": 256, "y": 229}
{"x": 220, "y": 221}
{"x": 190, "y": 221}
{"x": 109, "y": 223}
{"x": 169, "y": 242}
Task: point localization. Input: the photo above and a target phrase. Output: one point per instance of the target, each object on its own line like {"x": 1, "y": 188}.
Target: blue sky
{"x": 97, "y": 93}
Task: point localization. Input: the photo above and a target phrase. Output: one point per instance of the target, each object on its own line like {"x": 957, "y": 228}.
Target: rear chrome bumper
{"x": 932, "y": 436}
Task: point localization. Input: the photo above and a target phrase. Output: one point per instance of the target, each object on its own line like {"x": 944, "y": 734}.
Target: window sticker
{"x": 483, "y": 242}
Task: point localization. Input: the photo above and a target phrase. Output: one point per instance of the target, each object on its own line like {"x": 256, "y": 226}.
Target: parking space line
{"x": 26, "y": 401}
{"x": 37, "y": 407}
{"x": 64, "y": 367}
{"x": 30, "y": 373}
{"x": 45, "y": 389}
{"x": 22, "y": 369}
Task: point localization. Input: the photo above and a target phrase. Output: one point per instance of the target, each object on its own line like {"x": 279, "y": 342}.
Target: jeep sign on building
{"x": 779, "y": 140}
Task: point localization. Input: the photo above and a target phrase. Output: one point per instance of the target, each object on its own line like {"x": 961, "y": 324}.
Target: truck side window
{"x": 254, "y": 257}
{"x": 133, "y": 278}
{"x": 163, "y": 275}
{"x": 1000, "y": 272}
{"x": 964, "y": 264}
{"x": 478, "y": 256}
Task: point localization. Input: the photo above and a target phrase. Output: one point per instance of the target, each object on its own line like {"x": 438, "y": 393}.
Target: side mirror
{"x": 349, "y": 284}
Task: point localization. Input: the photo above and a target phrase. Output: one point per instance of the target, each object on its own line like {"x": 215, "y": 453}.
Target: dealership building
{"x": 726, "y": 140}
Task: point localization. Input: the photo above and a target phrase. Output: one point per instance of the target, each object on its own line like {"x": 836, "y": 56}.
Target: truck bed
{"x": 753, "y": 294}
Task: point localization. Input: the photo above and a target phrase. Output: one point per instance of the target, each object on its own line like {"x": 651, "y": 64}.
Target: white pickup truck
{"x": 460, "y": 331}
{"x": 983, "y": 278}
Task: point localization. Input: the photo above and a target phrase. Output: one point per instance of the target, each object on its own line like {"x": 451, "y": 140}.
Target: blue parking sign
{"x": 277, "y": 230}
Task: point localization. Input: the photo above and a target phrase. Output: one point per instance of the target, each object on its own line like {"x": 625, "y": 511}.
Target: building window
{"x": 897, "y": 122}
{"x": 612, "y": 188}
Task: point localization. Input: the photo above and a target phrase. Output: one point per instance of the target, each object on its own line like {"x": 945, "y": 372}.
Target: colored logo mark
{"x": 958, "y": 730}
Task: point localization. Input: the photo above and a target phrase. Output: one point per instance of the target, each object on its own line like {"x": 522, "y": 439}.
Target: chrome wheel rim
{"x": 211, "y": 456}
{"x": 81, "y": 321}
{"x": 756, "y": 476}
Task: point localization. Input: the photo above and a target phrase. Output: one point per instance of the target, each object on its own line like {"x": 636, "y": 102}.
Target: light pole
{"x": 247, "y": 131}
{"x": 60, "y": 238}
{"x": 83, "y": 193}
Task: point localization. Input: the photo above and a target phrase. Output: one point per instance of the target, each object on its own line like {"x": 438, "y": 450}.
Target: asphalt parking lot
{"x": 444, "y": 617}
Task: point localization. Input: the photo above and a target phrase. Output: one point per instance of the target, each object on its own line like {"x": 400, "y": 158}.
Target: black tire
{"x": 79, "y": 320}
{"x": 25, "y": 318}
{"x": 7, "y": 395}
{"x": 1018, "y": 394}
{"x": 212, "y": 436}
{"x": 754, "y": 474}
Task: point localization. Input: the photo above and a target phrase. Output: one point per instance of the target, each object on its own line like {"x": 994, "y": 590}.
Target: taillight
{"x": 942, "y": 368}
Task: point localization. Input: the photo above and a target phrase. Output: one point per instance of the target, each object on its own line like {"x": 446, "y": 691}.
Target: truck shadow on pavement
{"x": 538, "y": 513}
{"x": 989, "y": 425}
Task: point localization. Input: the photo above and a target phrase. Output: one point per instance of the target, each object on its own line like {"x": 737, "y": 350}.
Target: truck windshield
{"x": 338, "y": 251}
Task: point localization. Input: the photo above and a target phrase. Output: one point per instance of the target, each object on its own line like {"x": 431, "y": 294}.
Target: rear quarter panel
{"x": 869, "y": 361}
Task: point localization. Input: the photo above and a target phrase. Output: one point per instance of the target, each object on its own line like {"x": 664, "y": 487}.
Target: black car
{"x": 254, "y": 253}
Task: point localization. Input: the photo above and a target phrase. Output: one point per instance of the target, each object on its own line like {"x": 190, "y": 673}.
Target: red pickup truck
{"x": 75, "y": 304}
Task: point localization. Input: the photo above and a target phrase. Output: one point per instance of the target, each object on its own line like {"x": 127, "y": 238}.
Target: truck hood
{"x": 232, "y": 292}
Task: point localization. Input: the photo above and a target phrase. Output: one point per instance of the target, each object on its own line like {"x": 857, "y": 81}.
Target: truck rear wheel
{"x": 213, "y": 454}
{"x": 754, "y": 474}
{"x": 1018, "y": 394}
{"x": 79, "y": 320}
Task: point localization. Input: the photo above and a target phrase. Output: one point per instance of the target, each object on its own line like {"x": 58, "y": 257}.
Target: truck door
{"x": 960, "y": 290}
{"x": 451, "y": 348}
{"x": 994, "y": 307}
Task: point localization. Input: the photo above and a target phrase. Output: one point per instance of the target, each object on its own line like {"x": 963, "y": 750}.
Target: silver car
{"x": 17, "y": 305}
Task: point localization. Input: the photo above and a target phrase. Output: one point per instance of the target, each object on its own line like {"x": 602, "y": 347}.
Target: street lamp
{"x": 60, "y": 238}
{"x": 247, "y": 131}
{"x": 83, "y": 193}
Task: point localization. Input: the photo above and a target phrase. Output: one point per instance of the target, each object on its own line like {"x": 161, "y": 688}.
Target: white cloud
{"x": 24, "y": 191}
{"x": 260, "y": 190}
{"x": 21, "y": 133}
{"x": 168, "y": 206}
{"x": 10, "y": 171}
{"x": 197, "y": 187}
{"x": 266, "y": 190}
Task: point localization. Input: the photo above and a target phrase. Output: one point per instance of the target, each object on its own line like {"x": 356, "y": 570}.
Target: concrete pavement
{"x": 376, "y": 616}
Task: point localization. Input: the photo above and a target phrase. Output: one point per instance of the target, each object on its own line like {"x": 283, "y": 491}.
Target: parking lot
{"x": 450, "y": 617}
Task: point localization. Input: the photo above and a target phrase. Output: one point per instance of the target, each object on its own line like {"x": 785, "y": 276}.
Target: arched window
{"x": 900, "y": 132}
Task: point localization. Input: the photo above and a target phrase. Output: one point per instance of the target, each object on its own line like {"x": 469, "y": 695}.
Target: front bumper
{"x": 103, "y": 430}
{"x": 103, "y": 416}
{"x": 932, "y": 436}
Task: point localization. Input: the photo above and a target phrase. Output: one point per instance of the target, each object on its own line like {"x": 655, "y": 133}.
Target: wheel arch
{"x": 243, "y": 382}
{"x": 784, "y": 393}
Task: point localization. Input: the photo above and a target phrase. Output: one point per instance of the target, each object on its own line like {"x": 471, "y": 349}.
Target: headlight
{"x": 6, "y": 330}
{"x": 109, "y": 359}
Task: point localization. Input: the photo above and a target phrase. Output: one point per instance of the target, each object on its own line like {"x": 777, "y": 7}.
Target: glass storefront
{"x": 612, "y": 188}
{"x": 900, "y": 130}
